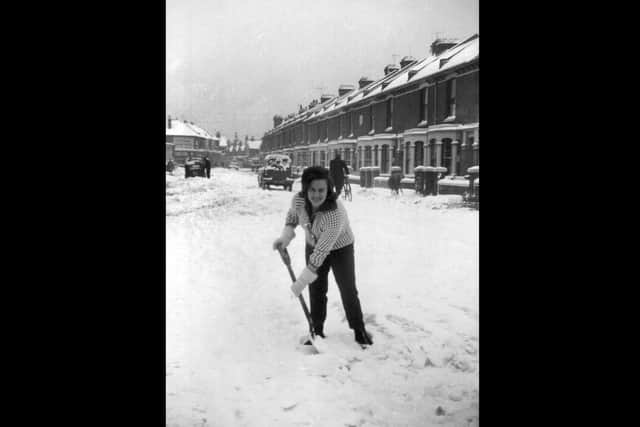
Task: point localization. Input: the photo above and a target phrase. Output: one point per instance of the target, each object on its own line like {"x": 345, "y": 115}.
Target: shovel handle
{"x": 284, "y": 254}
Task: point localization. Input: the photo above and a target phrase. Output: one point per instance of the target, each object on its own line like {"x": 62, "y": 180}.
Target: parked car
{"x": 194, "y": 167}
{"x": 276, "y": 172}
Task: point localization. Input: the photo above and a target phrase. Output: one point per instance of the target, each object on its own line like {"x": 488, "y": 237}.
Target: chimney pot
{"x": 390, "y": 69}
{"x": 406, "y": 61}
{"x": 324, "y": 98}
{"x": 364, "y": 81}
{"x": 439, "y": 45}
{"x": 344, "y": 89}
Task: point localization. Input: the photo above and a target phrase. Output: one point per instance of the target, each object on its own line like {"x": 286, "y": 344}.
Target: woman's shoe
{"x": 319, "y": 332}
{"x": 362, "y": 337}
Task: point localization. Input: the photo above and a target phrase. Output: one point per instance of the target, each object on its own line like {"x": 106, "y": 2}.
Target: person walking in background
{"x": 187, "y": 166}
{"x": 339, "y": 170}
{"x": 207, "y": 166}
{"x": 329, "y": 245}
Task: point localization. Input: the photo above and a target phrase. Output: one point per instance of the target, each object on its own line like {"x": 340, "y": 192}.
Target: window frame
{"x": 389, "y": 109}
{"x": 451, "y": 98}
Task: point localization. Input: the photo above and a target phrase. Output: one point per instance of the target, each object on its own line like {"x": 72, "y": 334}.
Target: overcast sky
{"x": 233, "y": 64}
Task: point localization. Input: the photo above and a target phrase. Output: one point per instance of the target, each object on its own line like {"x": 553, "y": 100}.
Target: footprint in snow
{"x": 288, "y": 408}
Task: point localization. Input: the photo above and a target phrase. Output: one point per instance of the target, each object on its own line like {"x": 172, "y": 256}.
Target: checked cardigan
{"x": 325, "y": 232}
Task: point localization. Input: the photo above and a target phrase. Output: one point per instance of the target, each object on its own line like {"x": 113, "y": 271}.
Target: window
{"x": 389, "y": 113}
{"x": 424, "y": 102}
{"x": 418, "y": 154}
{"x": 447, "y": 154}
{"x": 432, "y": 145}
{"x": 371, "y": 119}
{"x": 451, "y": 98}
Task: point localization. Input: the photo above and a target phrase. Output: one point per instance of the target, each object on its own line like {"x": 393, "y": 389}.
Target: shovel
{"x": 313, "y": 339}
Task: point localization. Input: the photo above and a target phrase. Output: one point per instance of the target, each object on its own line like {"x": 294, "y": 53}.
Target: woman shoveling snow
{"x": 329, "y": 245}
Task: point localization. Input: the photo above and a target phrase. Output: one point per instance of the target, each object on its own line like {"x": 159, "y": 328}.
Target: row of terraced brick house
{"x": 422, "y": 113}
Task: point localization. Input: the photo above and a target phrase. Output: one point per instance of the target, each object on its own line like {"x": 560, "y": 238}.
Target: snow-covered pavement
{"x": 233, "y": 325}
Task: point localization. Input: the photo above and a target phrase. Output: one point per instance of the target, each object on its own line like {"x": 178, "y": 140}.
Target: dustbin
{"x": 474, "y": 174}
{"x": 430, "y": 180}
{"x": 375, "y": 171}
{"x": 363, "y": 177}
{"x": 438, "y": 170}
{"x": 420, "y": 181}
{"x": 368, "y": 177}
{"x": 396, "y": 177}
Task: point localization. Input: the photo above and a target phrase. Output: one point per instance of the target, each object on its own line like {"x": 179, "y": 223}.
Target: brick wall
{"x": 406, "y": 111}
{"x": 358, "y": 129}
{"x": 431, "y": 106}
{"x": 441, "y": 102}
{"x": 333, "y": 128}
{"x": 467, "y": 98}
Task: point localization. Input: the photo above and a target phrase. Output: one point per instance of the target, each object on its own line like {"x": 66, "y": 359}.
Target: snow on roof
{"x": 464, "y": 52}
{"x": 184, "y": 128}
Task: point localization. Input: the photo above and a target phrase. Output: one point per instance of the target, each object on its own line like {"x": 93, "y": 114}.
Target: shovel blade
{"x": 313, "y": 345}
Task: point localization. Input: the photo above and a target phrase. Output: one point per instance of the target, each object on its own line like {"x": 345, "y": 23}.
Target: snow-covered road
{"x": 233, "y": 325}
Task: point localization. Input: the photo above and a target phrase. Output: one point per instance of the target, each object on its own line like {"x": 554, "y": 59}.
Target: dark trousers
{"x": 338, "y": 187}
{"x": 341, "y": 262}
{"x": 208, "y": 172}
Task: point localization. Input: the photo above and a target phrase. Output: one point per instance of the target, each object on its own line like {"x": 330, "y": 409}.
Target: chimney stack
{"x": 440, "y": 45}
{"x": 344, "y": 89}
{"x": 364, "y": 81}
{"x": 390, "y": 69}
{"x": 324, "y": 98}
{"x": 406, "y": 61}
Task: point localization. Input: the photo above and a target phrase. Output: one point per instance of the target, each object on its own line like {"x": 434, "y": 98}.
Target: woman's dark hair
{"x": 310, "y": 174}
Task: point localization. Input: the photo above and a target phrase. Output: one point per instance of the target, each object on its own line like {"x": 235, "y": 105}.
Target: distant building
{"x": 245, "y": 153}
{"x": 254, "y": 147}
{"x": 420, "y": 113}
{"x": 188, "y": 139}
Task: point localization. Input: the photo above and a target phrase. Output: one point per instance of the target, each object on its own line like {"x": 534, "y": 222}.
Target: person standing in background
{"x": 338, "y": 170}
{"x": 207, "y": 166}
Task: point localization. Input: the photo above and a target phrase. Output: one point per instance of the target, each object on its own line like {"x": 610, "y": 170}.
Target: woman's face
{"x": 317, "y": 192}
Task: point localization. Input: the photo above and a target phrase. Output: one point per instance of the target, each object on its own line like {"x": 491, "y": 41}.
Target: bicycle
{"x": 347, "y": 191}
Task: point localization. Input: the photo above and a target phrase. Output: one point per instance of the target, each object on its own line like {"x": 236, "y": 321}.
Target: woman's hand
{"x": 279, "y": 243}
{"x": 285, "y": 238}
{"x": 306, "y": 277}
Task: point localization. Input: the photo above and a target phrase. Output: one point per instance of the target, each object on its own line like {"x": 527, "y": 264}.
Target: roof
{"x": 183, "y": 128}
{"x": 462, "y": 53}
